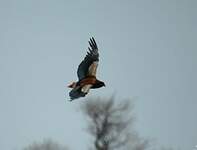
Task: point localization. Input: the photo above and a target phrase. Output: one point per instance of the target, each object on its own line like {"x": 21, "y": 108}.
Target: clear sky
{"x": 148, "y": 50}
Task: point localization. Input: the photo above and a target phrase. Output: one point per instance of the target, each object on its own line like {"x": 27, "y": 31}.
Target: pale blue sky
{"x": 148, "y": 50}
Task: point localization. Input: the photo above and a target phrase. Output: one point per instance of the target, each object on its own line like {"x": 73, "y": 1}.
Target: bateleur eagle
{"x": 87, "y": 73}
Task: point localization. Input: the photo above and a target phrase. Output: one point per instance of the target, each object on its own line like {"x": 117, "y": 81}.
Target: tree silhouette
{"x": 110, "y": 124}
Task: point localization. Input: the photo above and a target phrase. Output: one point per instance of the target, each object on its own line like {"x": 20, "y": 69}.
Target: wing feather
{"x": 91, "y": 57}
{"x": 79, "y": 91}
{"x": 76, "y": 93}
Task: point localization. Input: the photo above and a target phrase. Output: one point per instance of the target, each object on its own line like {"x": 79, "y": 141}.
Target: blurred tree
{"x": 45, "y": 145}
{"x": 111, "y": 125}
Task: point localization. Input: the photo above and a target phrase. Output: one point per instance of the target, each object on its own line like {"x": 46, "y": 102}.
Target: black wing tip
{"x": 75, "y": 94}
{"x": 92, "y": 43}
{"x": 93, "y": 40}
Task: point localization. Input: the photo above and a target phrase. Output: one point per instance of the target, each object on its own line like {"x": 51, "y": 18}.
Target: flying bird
{"x": 87, "y": 73}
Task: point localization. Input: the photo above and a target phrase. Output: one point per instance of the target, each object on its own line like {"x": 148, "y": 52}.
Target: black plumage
{"x": 86, "y": 73}
{"x": 91, "y": 57}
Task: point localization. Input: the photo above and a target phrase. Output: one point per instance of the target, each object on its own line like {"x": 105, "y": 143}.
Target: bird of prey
{"x": 87, "y": 73}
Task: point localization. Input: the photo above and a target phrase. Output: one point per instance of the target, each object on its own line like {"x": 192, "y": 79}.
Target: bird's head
{"x": 73, "y": 85}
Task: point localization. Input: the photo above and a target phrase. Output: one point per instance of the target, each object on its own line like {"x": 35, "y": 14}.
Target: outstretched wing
{"x": 76, "y": 93}
{"x": 79, "y": 91}
{"x": 89, "y": 65}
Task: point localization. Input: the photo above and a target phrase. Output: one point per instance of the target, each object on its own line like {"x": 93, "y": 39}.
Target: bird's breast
{"x": 88, "y": 80}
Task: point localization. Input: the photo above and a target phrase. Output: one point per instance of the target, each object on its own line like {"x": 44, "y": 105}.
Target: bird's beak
{"x": 72, "y": 85}
{"x": 69, "y": 86}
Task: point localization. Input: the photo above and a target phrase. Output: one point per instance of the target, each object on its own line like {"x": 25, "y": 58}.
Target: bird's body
{"x": 87, "y": 73}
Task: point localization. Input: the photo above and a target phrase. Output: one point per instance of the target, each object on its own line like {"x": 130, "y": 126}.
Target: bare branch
{"x": 109, "y": 122}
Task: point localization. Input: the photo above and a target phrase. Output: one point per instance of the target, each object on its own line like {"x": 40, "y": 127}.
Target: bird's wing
{"x": 76, "y": 93}
{"x": 79, "y": 91}
{"x": 89, "y": 65}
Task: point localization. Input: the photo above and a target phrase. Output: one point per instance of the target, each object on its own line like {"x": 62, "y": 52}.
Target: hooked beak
{"x": 72, "y": 85}
{"x": 69, "y": 86}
